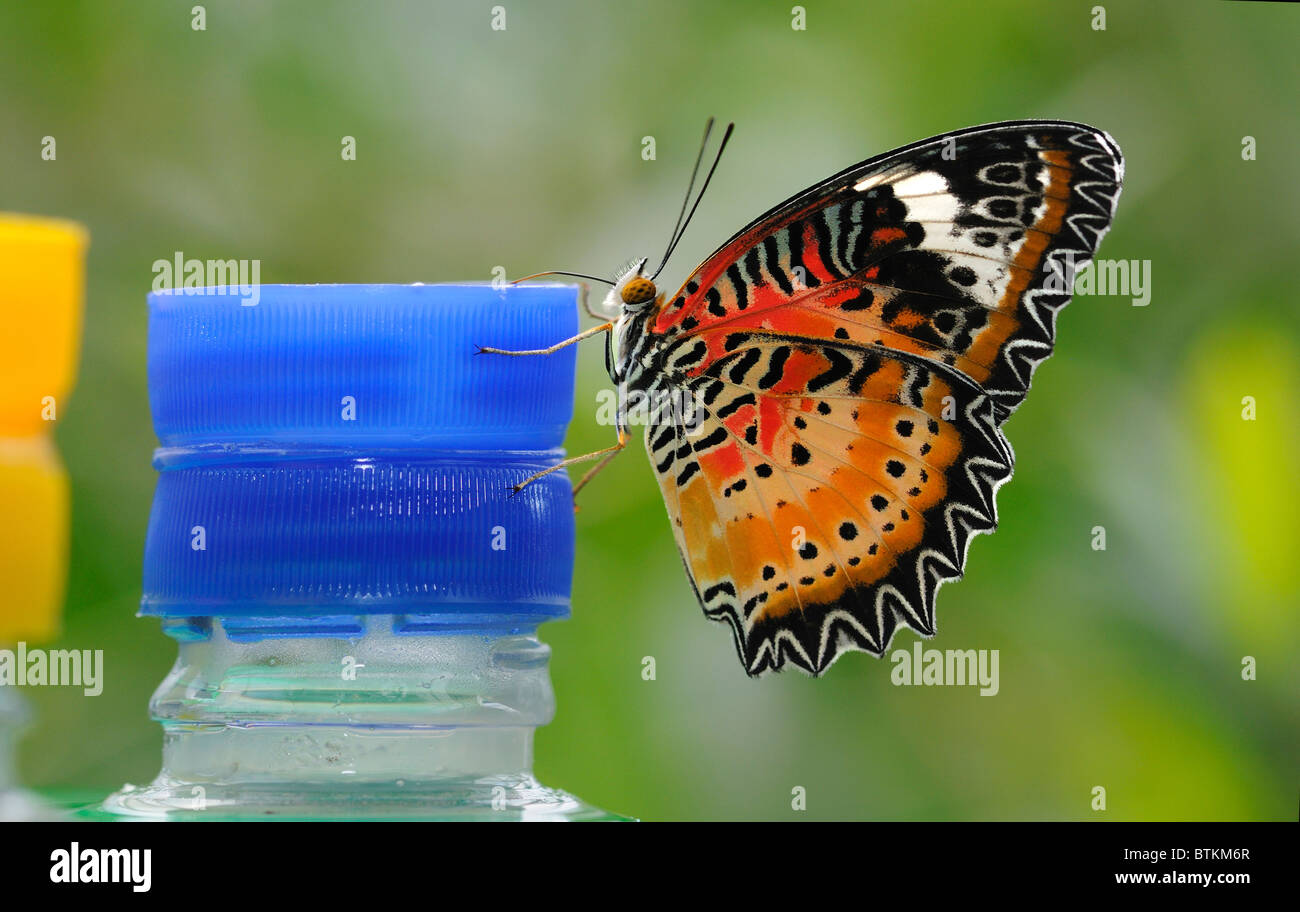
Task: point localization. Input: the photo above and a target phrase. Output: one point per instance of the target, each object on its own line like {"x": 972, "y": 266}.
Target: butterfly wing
{"x": 825, "y": 490}
{"x": 852, "y": 354}
{"x": 961, "y": 248}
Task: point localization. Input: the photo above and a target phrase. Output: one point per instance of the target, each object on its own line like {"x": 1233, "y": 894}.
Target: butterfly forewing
{"x": 961, "y": 249}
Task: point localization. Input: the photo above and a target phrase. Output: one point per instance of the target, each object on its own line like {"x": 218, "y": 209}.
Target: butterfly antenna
{"x": 686, "y": 200}
{"x": 576, "y": 275}
{"x": 682, "y": 230}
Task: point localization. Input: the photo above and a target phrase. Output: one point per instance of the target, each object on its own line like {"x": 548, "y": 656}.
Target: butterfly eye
{"x": 638, "y": 291}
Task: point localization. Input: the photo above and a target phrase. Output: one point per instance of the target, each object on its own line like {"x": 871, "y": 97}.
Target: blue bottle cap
{"x": 364, "y": 365}
{"x": 337, "y": 451}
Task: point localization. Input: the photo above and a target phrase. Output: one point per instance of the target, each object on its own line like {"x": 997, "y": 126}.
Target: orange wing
{"x": 825, "y": 490}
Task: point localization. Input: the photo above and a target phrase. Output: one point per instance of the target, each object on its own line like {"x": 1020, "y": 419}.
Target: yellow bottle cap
{"x": 42, "y": 284}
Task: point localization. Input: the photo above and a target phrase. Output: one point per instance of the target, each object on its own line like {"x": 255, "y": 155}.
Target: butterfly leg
{"x": 585, "y": 334}
{"x": 591, "y": 473}
{"x": 586, "y": 305}
{"x": 608, "y": 453}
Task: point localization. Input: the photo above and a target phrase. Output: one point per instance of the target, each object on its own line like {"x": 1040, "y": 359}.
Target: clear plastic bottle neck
{"x": 380, "y": 725}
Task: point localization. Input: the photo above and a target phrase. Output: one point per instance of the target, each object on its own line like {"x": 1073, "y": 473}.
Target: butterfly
{"x": 826, "y": 391}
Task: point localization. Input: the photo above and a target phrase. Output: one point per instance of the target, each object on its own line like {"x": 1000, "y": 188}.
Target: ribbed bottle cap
{"x": 362, "y": 365}
{"x": 376, "y": 535}
{"x": 337, "y": 450}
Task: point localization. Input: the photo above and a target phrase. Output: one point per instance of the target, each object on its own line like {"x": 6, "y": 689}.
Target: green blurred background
{"x": 522, "y": 148}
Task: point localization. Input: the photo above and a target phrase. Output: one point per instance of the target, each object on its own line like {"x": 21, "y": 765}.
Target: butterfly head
{"x": 637, "y": 292}
{"x": 631, "y": 291}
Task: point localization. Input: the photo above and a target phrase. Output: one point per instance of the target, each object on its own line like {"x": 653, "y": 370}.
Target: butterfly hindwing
{"x": 824, "y": 490}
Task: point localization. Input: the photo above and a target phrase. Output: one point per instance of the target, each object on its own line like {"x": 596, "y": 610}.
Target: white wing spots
{"x": 971, "y": 268}
{"x": 934, "y": 212}
{"x": 970, "y": 265}
{"x": 922, "y": 183}
{"x": 871, "y": 180}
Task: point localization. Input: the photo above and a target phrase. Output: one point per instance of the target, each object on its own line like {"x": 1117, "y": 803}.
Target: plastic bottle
{"x": 335, "y": 546}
